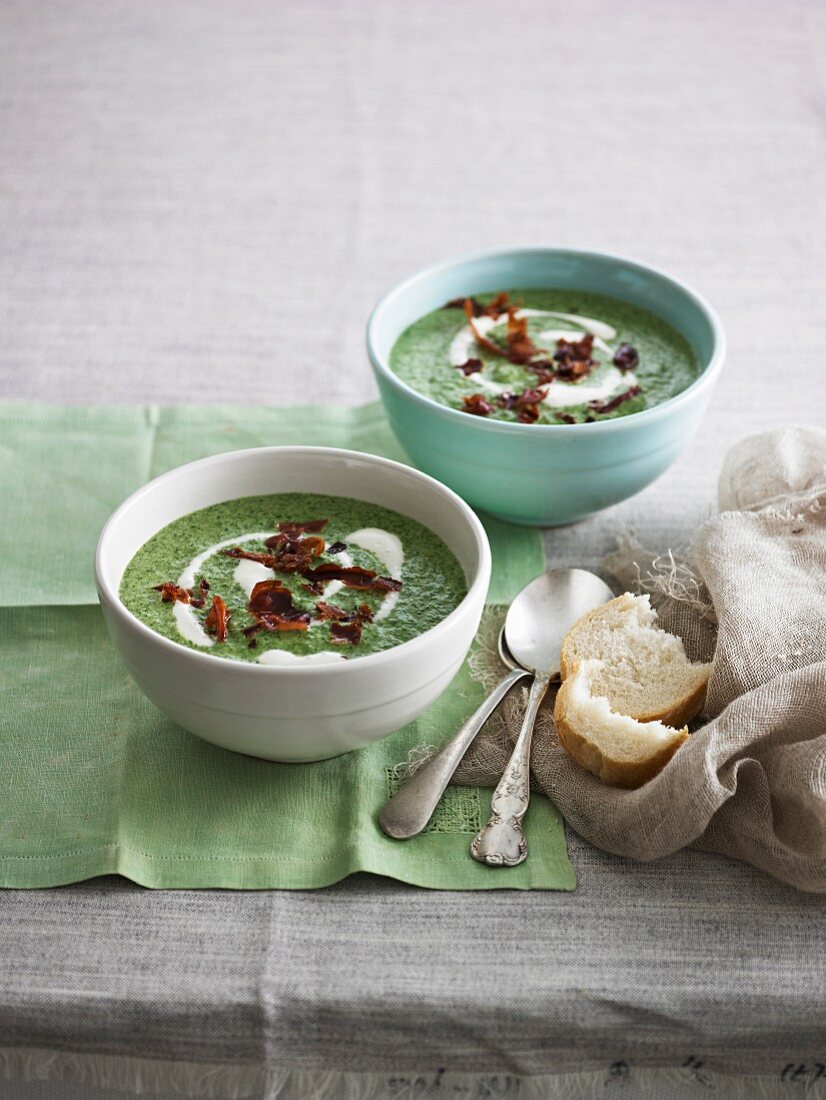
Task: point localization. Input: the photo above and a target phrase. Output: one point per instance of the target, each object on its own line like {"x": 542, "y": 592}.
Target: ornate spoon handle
{"x": 412, "y": 806}
{"x": 502, "y": 841}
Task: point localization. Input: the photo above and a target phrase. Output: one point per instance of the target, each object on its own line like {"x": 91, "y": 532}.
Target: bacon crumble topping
{"x": 330, "y": 612}
{"x": 217, "y": 620}
{"x": 344, "y": 633}
{"x": 477, "y": 404}
{"x": 528, "y": 414}
{"x": 352, "y": 576}
{"x": 292, "y": 529}
{"x": 574, "y": 358}
{"x": 173, "y": 593}
{"x": 499, "y": 305}
{"x": 291, "y": 554}
{"x": 479, "y": 337}
{"x": 349, "y": 627}
{"x": 526, "y": 404}
{"x": 271, "y": 603}
{"x": 345, "y": 626}
{"x": 572, "y": 361}
{"x": 472, "y": 366}
{"x": 250, "y": 555}
{"x": 544, "y": 371}
{"x": 521, "y": 349}
{"x": 495, "y": 307}
{"x": 615, "y": 402}
{"x": 292, "y": 550}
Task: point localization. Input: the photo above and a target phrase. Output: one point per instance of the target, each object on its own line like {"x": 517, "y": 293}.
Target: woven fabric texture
{"x": 750, "y": 782}
{"x": 96, "y": 780}
{"x": 200, "y": 203}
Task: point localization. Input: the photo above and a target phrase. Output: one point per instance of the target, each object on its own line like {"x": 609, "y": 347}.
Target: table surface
{"x": 201, "y": 203}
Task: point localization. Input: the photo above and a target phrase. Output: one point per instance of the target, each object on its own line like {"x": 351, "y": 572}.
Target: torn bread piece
{"x": 618, "y": 750}
{"x": 645, "y": 672}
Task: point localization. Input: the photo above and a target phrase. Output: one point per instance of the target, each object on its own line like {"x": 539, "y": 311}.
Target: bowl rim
{"x": 706, "y": 378}
{"x": 478, "y": 584}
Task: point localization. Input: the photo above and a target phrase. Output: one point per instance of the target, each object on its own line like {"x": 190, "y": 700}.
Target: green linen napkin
{"x": 94, "y": 780}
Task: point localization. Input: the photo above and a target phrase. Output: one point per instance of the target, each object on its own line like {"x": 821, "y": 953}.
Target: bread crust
{"x": 616, "y": 773}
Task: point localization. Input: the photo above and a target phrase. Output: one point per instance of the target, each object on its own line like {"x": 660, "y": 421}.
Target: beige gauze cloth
{"x": 750, "y": 782}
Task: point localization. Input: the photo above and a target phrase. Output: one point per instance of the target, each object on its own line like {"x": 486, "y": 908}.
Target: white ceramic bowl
{"x": 302, "y": 713}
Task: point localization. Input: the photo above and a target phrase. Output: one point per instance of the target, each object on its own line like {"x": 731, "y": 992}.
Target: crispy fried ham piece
{"x": 271, "y": 598}
{"x": 615, "y": 402}
{"x": 294, "y": 543}
{"x": 528, "y": 414}
{"x": 344, "y": 633}
{"x": 472, "y": 366}
{"x": 352, "y": 576}
{"x": 526, "y": 404}
{"x": 574, "y": 358}
{"x": 543, "y": 369}
{"x": 574, "y": 371}
{"x": 574, "y": 350}
{"x": 330, "y": 612}
{"x": 349, "y": 627}
{"x": 289, "y": 554}
{"x": 477, "y": 404}
{"x": 250, "y": 555}
{"x": 482, "y": 340}
{"x": 312, "y": 544}
{"x": 521, "y": 349}
{"x": 496, "y": 307}
{"x": 172, "y": 593}
{"x": 520, "y": 400}
{"x": 297, "y": 555}
{"x": 217, "y": 620}
{"x": 345, "y": 626}
{"x": 500, "y": 304}
{"x": 293, "y": 529}
{"x": 271, "y": 603}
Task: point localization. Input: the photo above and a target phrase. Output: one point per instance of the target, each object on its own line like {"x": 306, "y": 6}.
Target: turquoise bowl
{"x": 549, "y": 474}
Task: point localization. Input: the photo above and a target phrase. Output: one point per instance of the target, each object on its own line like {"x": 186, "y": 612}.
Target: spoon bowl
{"x": 544, "y": 612}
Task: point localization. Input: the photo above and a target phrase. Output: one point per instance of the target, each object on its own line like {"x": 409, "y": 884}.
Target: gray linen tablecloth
{"x": 201, "y": 202}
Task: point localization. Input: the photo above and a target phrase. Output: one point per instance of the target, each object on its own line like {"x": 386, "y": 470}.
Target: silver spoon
{"x": 412, "y": 806}
{"x": 557, "y": 599}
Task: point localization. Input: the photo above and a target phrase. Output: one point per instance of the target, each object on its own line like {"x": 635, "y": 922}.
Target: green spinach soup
{"x": 292, "y": 577}
{"x": 544, "y": 357}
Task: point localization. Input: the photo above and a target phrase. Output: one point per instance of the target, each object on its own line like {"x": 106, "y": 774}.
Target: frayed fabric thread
{"x": 663, "y": 576}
